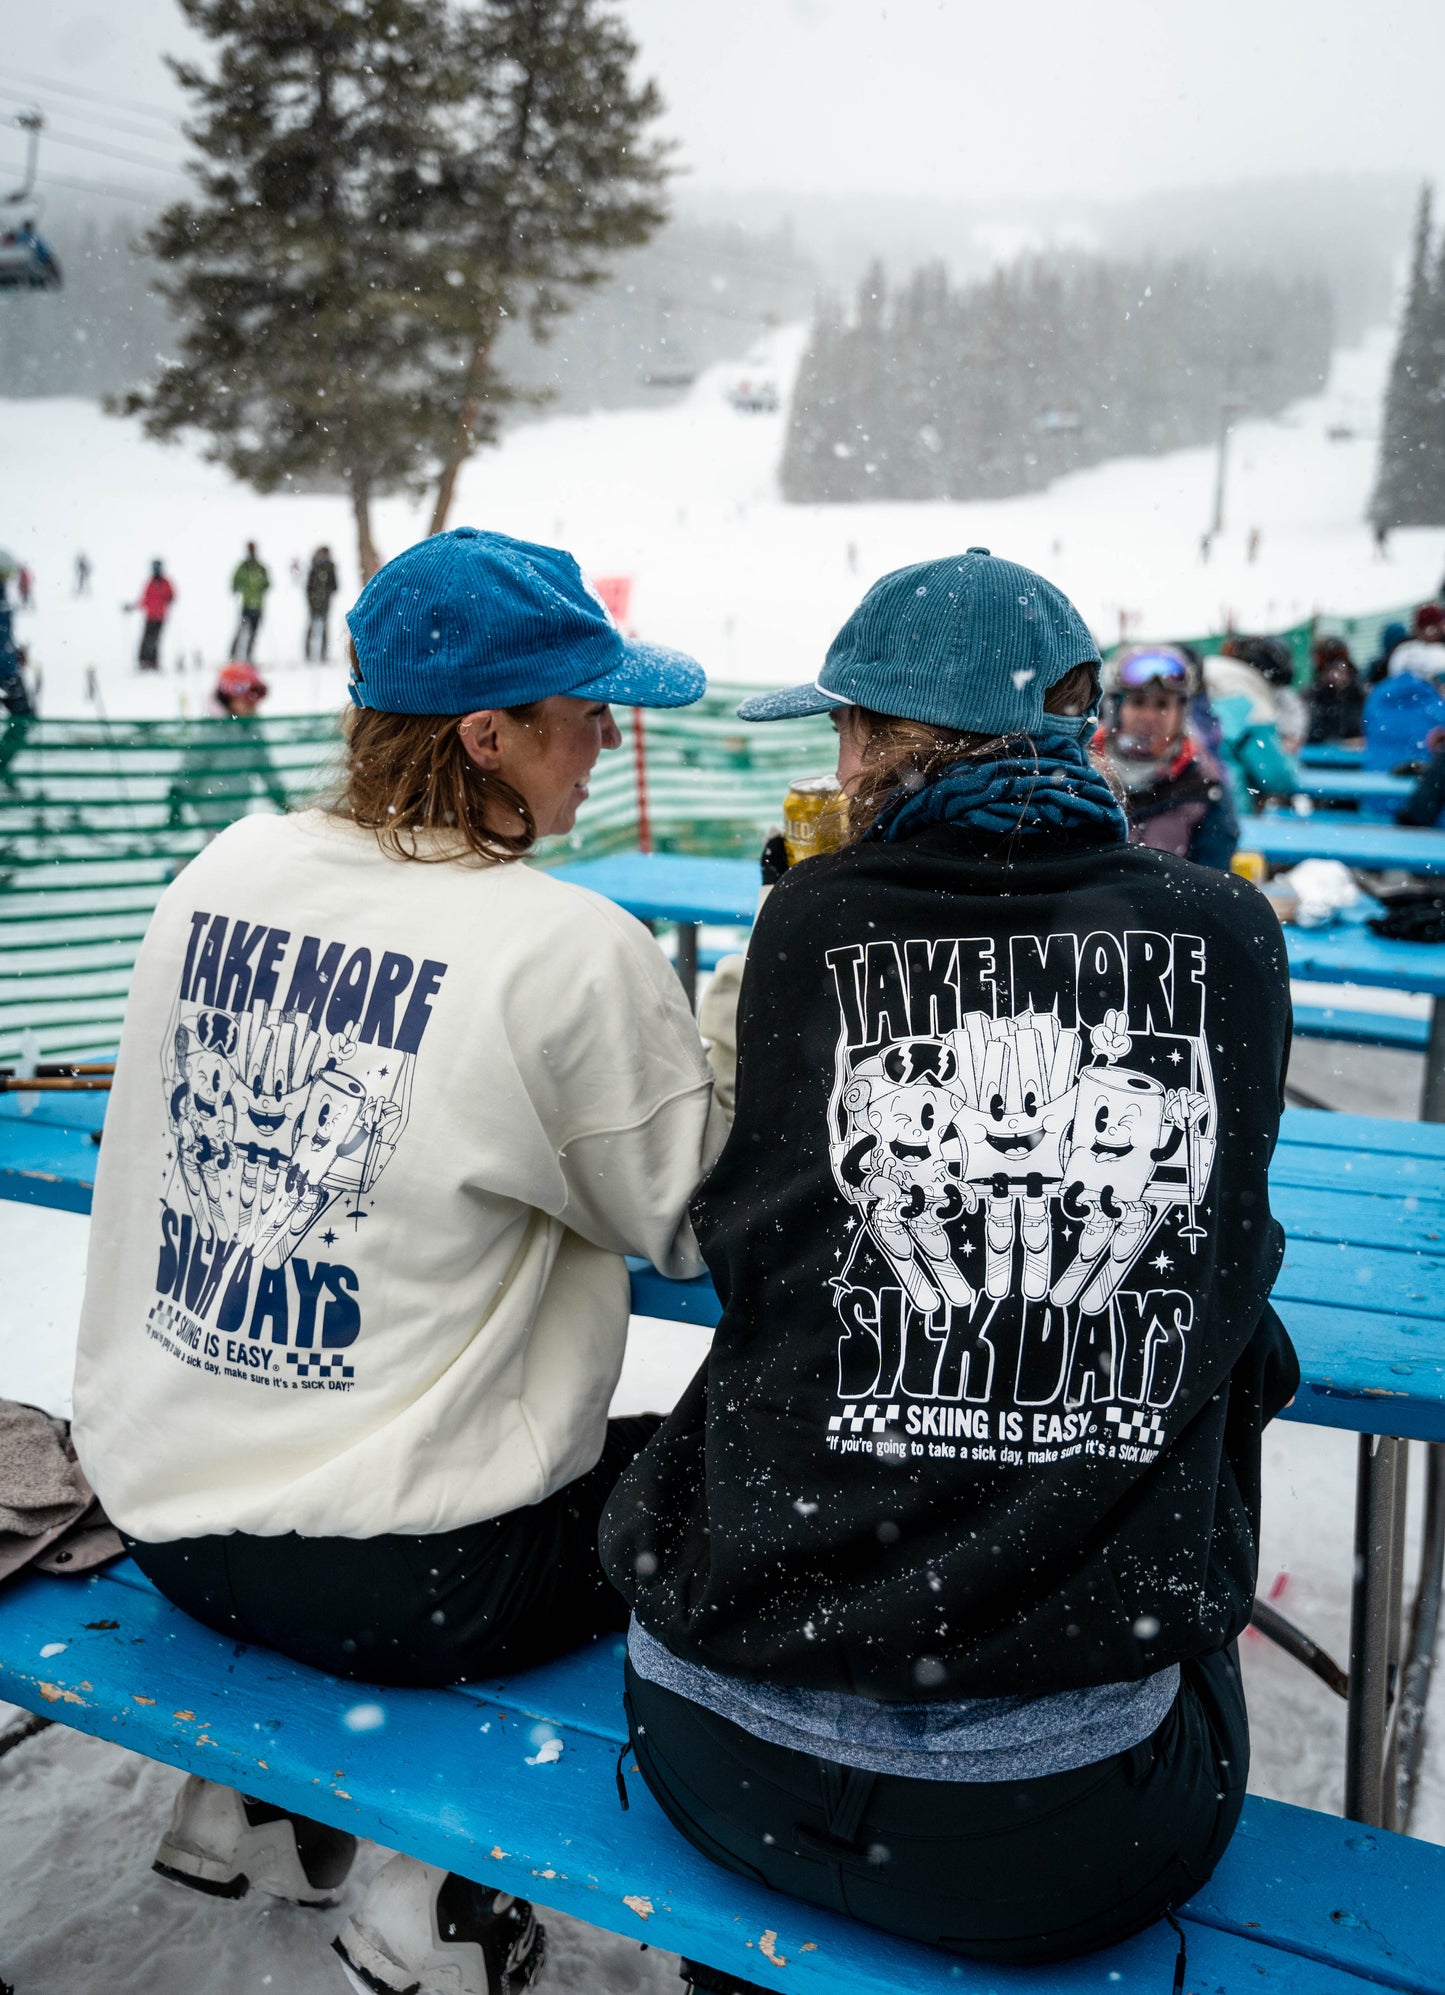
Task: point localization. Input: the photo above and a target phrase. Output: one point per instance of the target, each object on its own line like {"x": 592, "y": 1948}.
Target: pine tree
{"x": 303, "y": 270}
{"x": 1432, "y": 371}
{"x": 1412, "y": 433}
{"x": 557, "y": 172}
{"x": 382, "y": 183}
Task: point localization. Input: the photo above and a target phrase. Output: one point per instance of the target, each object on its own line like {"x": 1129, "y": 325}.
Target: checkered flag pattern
{"x": 853, "y": 1419}
{"x": 309, "y": 1366}
{"x": 1137, "y": 1424}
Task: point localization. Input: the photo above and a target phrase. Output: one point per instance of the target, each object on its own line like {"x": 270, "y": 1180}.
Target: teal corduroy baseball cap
{"x": 468, "y": 619}
{"x": 970, "y": 642}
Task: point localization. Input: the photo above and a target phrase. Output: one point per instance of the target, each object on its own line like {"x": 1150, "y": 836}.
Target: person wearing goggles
{"x": 1175, "y": 794}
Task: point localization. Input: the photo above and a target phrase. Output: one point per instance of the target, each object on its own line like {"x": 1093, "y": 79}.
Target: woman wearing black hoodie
{"x": 938, "y": 1567}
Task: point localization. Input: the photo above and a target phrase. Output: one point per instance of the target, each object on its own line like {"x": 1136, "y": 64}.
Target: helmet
{"x": 1153, "y": 665}
{"x": 241, "y": 681}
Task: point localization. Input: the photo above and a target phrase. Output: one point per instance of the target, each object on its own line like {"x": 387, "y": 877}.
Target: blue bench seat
{"x": 1361, "y": 1028}
{"x": 1302, "y": 1905}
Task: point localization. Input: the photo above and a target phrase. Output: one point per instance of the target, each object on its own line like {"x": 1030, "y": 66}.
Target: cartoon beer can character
{"x": 815, "y": 817}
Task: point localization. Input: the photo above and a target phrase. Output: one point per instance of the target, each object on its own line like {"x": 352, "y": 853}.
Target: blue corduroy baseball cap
{"x": 970, "y": 642}
{"x": 468, "y": 619}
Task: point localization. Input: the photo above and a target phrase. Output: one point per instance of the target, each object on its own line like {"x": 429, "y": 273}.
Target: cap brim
{"x": 793, "y": 703}
{"x": 646, "y": 675}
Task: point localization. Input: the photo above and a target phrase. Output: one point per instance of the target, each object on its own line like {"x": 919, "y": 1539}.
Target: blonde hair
{"x": 899, "y": 752}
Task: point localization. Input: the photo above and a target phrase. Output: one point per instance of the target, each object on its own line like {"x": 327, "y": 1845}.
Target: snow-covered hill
{"x": 684, "y": 499}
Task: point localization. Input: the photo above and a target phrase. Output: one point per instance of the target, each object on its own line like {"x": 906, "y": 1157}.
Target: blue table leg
{"x": 1409, "y": 1739}
{"x": 1432, "y": 1104}
{"x": 1379, "y": 1548}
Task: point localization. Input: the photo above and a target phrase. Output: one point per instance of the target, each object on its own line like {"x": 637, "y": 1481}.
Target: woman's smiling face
{"x": 546, "y": 755}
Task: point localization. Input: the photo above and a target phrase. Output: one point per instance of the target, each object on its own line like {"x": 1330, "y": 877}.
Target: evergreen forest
{"x": 983, "y": 389}
{"x": 1410, "y": 485}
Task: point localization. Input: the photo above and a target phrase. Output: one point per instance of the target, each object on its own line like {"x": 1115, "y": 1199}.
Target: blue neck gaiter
{"x": 1040, "y": 785}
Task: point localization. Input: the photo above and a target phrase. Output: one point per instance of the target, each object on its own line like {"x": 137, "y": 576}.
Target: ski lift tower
{"x": 27, "y": 262}
{"x": 1230, "y": 406}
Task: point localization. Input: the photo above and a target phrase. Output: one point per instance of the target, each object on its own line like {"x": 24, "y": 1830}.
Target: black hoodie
{"x": 993, "y": 1241}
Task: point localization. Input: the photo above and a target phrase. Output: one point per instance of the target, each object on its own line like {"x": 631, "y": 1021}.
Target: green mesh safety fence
{"x": 96, "y": 817}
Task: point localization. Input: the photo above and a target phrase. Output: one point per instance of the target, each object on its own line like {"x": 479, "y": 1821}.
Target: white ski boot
{"x": 421, "y": 1930}
{"x": 222, "y": 1843}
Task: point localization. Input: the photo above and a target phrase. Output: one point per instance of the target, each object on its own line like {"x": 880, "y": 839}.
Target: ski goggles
{"x": 1154, "y": 668}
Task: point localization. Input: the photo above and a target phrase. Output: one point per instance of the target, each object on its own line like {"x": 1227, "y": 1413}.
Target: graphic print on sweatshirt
{"x": 287, "y": 1073}
{"x": 1025, "y": 1133}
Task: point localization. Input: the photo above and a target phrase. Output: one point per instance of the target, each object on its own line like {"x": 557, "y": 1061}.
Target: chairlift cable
{"x": 144, "y": 200}
{"x": 93, "y": 96}
{"x": 109, "y": 152}
{"x": 69, "y": 110}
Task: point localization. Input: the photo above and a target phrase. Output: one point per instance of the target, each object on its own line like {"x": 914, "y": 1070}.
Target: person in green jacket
{"x": 250, "y": 582}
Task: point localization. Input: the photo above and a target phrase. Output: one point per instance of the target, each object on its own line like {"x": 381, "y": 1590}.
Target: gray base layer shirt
{"x": 977, "y": 1739}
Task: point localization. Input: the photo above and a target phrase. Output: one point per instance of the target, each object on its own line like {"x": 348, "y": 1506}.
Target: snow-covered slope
{"x": 684, "y": 499}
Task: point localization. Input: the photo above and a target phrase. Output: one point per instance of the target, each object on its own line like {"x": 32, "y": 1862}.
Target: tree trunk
{"x": 367, "y": 558}
{"x": 461, "y": 448}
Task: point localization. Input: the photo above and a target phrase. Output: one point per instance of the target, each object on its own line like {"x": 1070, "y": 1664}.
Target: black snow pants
{"x": 150, "y": 644}
{"x": 451, "y": 1607}
{"x": 1018, "y": 1871}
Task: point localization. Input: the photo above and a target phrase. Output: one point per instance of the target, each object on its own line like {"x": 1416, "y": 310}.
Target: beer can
{"x": 815, "y": 817}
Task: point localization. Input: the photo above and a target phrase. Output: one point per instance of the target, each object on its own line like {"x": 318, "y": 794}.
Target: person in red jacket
{"x": 155, "y": 599}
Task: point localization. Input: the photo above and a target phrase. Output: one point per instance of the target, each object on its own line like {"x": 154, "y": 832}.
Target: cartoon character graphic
{"x": 202, "y": 1103}
{"x": 900, "y": 1160}
{"x": 275, "y": 1125}
{"x": 1118, "y": 1145}
{"x": 1015, "y": 1082}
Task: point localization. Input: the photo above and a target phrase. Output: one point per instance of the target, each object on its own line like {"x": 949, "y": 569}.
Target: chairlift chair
{"x": 27, "y": 262}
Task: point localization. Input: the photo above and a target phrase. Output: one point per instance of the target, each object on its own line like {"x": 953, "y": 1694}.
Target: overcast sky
{"x": 950, "y": 98}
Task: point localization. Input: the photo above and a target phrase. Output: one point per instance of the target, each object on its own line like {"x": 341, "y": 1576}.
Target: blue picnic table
{"x": 1346, "y": 786}
{"x": 1284, "y": 838}
{"x": 723, "y": 893}
{"x": 1361, "y": 1290}
{"x": 1301, "y": 1903}
{"x": 1332, "y": 755}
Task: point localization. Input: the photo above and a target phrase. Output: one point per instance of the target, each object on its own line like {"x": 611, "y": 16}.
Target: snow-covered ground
{"x": 684, "y": 499}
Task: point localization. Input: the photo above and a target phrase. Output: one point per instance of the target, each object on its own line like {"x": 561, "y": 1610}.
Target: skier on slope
{"x": 250, "y": 582}
{"x": 155, "y": 600}
{"x": 321, "y": 586}
{"x": 14, "y": 694}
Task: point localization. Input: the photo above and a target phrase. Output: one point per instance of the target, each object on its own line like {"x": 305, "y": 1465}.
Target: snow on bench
{"x": 473, "y": 1778}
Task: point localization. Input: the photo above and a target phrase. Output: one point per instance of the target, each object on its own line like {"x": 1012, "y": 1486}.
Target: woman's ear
{"x": 481, "y": 739}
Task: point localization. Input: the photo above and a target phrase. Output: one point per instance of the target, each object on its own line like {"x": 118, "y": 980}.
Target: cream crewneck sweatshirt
{"x": 380, "y": 1135}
